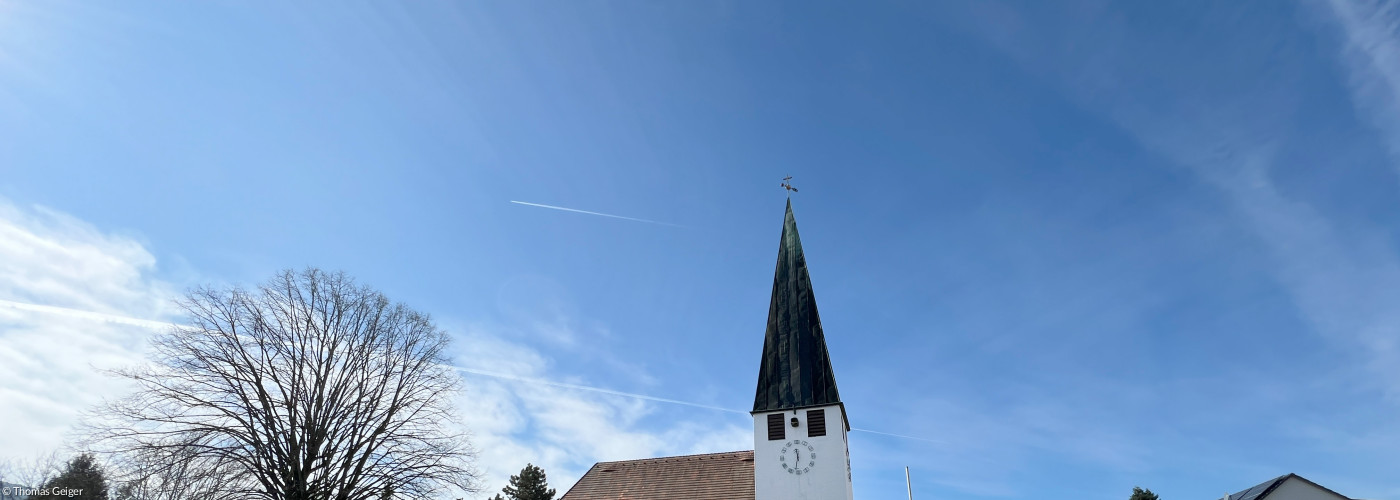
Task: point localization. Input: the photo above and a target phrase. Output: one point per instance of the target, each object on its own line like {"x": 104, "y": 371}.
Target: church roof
{"x": 795, "y": 371}
{"x": 711, "y": 476}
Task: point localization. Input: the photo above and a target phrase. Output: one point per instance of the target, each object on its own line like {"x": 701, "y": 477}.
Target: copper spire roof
{"x": 795, "y": 371}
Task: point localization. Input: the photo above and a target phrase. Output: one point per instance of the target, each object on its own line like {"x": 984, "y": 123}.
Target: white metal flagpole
{"x": 907, "y": 484}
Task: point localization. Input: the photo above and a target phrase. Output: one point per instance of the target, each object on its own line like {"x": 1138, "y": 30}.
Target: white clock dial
{"x": 798, "y": 457}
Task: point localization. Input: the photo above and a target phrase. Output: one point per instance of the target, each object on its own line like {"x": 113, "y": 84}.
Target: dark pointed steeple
{"x": 796, "y": 370}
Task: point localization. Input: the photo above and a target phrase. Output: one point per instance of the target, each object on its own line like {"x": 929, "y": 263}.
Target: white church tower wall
{"x": 800, "y": 463}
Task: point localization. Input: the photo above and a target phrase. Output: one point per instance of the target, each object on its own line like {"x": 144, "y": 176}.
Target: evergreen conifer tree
{"x": 530, "y": 484}
{"x": 1141, "y": 494}
{"x": 83, "y": 476}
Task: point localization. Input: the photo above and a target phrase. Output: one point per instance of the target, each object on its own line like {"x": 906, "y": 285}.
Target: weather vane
{"x": 787, "y": 184}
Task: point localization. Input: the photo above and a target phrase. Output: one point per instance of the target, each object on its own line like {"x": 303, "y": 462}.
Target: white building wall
{"x": 1291, "y": 489}
{"x": 830, "y": 476}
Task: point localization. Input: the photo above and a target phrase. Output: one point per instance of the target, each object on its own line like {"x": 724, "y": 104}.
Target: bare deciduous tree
{"x": 175, "y": 473}
{"x": 32, "y": 472}
{"x": 308, "y": 388}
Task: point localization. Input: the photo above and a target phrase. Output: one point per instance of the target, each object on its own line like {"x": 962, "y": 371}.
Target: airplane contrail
{"x": 88, "y": 315}
{"x": 647, "y": 398}
{"x": 897, "y": 435}
{"x": 157, "y": 325}
{"x": 593, "y": 389}
{"x": 595, "y": 213}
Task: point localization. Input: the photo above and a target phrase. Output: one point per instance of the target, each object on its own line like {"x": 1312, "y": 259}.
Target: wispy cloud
{"x": 70, "y": 299}
{"x": 519, "y": 411}
{"x": 1220, "y": 101}
{"x": 634, "y": 219}
{"x": 1372, "y": 61}
{"x": 1225, "y": 127}
{"x": 75, "y": 300}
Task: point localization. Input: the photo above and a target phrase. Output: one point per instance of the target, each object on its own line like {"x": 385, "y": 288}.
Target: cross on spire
{"x": 787, "y": 184}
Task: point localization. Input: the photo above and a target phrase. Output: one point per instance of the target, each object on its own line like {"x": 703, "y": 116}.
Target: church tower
{"x": 800, "y": 425}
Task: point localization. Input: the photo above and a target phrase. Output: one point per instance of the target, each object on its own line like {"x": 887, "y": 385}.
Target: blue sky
{"x": 1078, "y": 246}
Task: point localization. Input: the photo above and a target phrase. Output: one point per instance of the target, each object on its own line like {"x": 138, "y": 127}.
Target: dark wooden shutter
{"x": 816, "y": 423}
{"x": 775, "y": 427}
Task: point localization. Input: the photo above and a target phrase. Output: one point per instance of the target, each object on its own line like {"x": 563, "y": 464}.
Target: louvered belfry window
{"x": 775, "y": 427}
{"x": 816, "y": 423}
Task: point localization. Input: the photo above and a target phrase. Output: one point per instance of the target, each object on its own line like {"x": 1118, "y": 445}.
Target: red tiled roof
{"x": 713, "y": 476}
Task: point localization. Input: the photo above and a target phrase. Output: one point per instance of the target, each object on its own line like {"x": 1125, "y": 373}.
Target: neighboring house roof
{"x": 727, "y": 476}
{"x": 1262, "y": 490}
{"x": 796, "y": 370}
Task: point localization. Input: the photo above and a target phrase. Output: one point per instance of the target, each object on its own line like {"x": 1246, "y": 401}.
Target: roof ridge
{"x": 1309, "y": 481}
{"x": 678, "y": 457}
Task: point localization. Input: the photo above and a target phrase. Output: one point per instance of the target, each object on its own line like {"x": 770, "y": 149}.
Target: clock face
{"x": 798, "y": 457}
